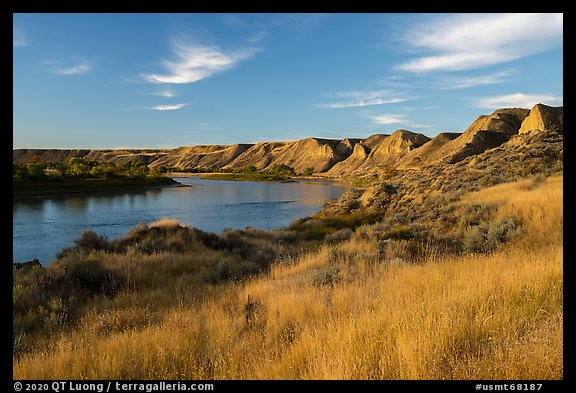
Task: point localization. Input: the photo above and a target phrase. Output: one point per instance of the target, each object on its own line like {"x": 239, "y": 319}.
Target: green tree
{"x": 35, "y": 170}
{"x": 20, "y": 171}
{"x": 249, "y": 169}
{"x": 158, "y": 171}
{"x": 282, "y": 170}
{"x": 135, "y": 168}
{"x": 61, "y": 167}
{"x": 77, "y": 167}
{"x": 104, "y": 171}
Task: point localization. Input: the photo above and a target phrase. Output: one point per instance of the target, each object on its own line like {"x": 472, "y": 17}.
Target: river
{"x": 44, "y": 226}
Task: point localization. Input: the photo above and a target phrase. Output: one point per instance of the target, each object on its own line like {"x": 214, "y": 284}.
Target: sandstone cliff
{"x": 391, "y": 149}
{"x": 346, "y": 158}
{"x": 260, "y": 155}
{"x": 486, "y": 132}
{"x": 347, "y": 167}
{"x": 201, "y": 156}
{"x": 543, "y": 117}
{"x": 427, "y": 153}
{"x": 378, "y": 153}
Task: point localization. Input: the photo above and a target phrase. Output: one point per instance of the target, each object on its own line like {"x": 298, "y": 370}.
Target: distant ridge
{"x": 345, "y": 158}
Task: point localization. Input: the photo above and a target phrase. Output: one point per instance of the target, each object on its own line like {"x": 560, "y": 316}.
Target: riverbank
{"x": 25, "y": 189}
{"x": 253, "y": 177}
{"x": 246, "y": 177}
{"x": 257, "y": 176}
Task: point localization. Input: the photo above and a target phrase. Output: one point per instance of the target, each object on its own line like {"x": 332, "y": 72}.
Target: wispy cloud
{"x": 472, "y": 81}
{"x": 351, "y": 99}
{"x": 385, "y": 119}
{"x": 193, "y": 61}
{"x": 470, "y": 41}
{"x": 19, "y": 38}
{"x": 167, "y": 93}
{"x": 81, "y": 66}
{"x": 388, "y": 119}
{"x": 519, "y": 100}
{"x": 169, "y": 107}
{"x": 74, "y": 70}
{"x": 174, "y": 107}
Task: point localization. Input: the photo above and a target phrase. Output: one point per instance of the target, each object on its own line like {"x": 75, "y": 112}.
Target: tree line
{"x": 80, "y": 168}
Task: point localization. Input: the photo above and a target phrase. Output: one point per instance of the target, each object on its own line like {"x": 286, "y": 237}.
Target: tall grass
{"x": 536, "y": 203}
{"x": 472, "y": 316}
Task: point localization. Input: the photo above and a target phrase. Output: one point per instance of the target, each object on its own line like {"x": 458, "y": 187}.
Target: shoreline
{"x": 84, "y": 187}
{"x": 289, "y": 179}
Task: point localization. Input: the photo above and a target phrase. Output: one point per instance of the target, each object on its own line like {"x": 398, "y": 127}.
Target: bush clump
{"x": 327, "y": 276}
{"x": 230, "y": 269}
{"x": 489, "y": 236}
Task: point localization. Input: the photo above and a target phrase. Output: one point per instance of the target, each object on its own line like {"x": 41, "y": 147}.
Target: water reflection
{"x": 44, "y": 226}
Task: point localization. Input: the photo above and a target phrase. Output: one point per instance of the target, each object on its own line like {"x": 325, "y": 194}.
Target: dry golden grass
{"x": 537, "y": 206}
{"x": 496, "y": 316}
{"x": 165, "y": 222}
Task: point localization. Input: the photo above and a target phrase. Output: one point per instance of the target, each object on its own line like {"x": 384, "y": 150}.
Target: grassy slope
{"x": 338, "y": 312}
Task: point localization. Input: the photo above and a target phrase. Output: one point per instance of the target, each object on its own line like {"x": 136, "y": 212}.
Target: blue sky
{"x": 169, "y": 80}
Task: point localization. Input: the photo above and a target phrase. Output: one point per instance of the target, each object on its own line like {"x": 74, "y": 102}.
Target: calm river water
{"x": 44, "y": 226}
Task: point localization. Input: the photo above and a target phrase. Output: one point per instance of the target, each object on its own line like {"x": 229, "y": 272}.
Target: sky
{"x": 108, "y": 81}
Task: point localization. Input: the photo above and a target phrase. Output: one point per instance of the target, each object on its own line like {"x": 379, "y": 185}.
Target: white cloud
{"x": 193, "y": 62}
{"x": 385, "y": 119}
{"x": 167, "y": 107}
{"x": 19, "y": 38}
{"x": 363, "y": 98}
{"x": 472, "y": 81}
{"x": 388, "y": 119}
{"x": 469, "y": 41}
{"x": 168, "y": 93}
{"x": 74, "y": 70}
{"x": 519, "y": 100}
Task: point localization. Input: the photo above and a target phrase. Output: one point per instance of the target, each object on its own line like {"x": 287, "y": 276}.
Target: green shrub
{"x": 282, "y": 170}
{"x": 285, "y": 237}
{"x": 398, "y": 233}
{"x": 327, "y": 276}
{"x": 317, "y": 232}
{"x": 89, "y": 275}
{"x": 90, "y": 240}
{"x": 36, "y": 170}
{"x": 150, "y": 245}
{"x": 339, "y": 236}
{"x": 402, "y": 250}
{"x": 55, "y": 313}
{"x": 473, "y": 215}
{"x": 231, "y": 268}
{"x": 249, "y": 169}
{"x": 87, "y": 242}
{"x": 488, "y": 236}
